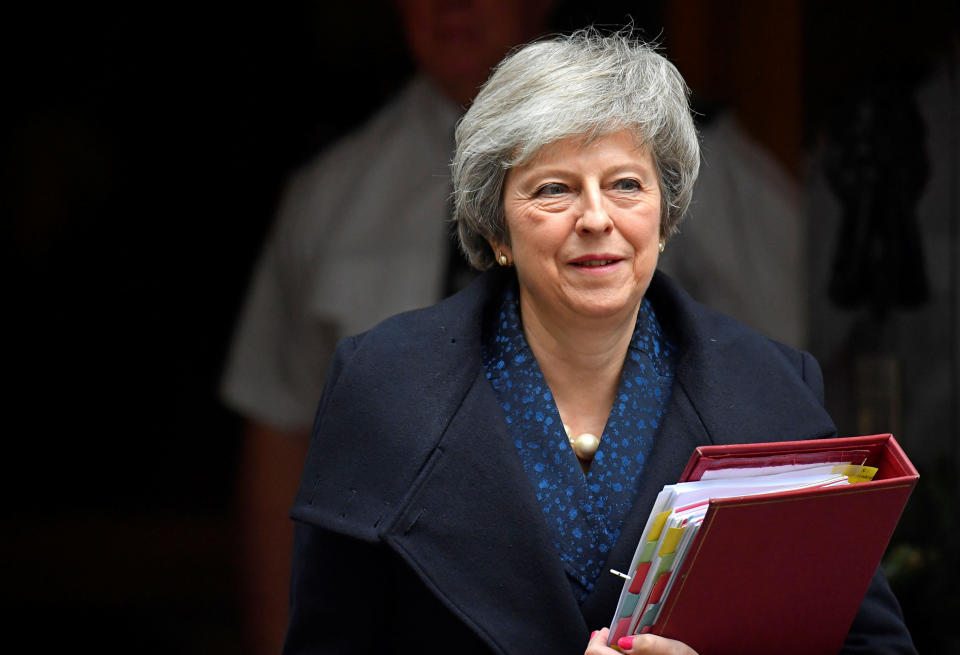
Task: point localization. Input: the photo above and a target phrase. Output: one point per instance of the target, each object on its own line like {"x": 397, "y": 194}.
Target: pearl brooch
{"x": 584, "y": 445}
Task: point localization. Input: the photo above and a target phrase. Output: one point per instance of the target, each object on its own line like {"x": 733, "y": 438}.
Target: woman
{"x": 477, "y": 465}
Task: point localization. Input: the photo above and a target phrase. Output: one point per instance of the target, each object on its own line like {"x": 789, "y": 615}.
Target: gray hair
{"x": 582, "y": 84}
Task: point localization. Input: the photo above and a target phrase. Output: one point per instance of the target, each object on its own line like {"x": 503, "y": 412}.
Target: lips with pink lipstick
{"x": 595, "y": 261}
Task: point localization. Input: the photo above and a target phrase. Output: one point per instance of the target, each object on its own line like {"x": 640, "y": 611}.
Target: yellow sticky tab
{"x": 866, "y": 472}
{"x": 671, "y": 540}
{"x": 657, "y": 526}
{"x": 855, "y": 472}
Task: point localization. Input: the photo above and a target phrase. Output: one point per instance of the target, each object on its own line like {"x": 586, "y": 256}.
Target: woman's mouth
{"x": 595, "y": 262}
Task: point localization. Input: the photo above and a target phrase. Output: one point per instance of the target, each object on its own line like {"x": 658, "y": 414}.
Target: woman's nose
{"x": 593, "y": 216}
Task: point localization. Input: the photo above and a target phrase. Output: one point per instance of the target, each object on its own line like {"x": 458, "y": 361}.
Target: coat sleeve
{"x": 812, "y": 376}
{"x": 334, "y": 590}
{"x": 879, "y": 627}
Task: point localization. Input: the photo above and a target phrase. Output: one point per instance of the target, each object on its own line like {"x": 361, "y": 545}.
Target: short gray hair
{"x": 582, "y": 84}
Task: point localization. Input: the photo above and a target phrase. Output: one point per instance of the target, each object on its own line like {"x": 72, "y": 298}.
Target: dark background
{"x": 142, "y": 154}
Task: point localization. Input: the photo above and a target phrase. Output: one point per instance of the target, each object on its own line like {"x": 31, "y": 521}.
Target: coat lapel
{"x": 473, "y": 531}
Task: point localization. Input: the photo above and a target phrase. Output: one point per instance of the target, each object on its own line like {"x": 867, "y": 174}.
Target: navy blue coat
{"x": 417, "y": 528}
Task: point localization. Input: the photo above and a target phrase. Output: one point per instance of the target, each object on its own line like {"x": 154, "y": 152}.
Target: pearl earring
{"x": 501, "y": 258}
{"x": 662, "y": 246}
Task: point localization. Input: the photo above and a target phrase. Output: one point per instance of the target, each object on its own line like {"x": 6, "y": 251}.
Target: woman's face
{"x": 584, "y": 225}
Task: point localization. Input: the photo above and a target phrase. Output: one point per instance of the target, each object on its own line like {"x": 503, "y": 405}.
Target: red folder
{"x": 785, "y": 572}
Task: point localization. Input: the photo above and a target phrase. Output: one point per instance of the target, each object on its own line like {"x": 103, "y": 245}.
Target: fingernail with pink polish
{"x": 626, "y": 643}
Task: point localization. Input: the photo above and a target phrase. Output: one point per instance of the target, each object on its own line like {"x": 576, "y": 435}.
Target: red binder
{"x": 785, "y": 572}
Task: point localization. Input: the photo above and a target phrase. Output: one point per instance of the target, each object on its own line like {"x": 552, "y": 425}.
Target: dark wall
{"x": 143, "y": 150}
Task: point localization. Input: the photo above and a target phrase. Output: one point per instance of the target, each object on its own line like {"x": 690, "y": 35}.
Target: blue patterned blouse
{"x": 583, "y": 512}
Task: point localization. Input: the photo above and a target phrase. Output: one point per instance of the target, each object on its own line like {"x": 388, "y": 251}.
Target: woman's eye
{"x": 627, "y": 184}
{"x": 552, "y": 189}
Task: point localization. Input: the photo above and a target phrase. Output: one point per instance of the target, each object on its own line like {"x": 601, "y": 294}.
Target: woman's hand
{"x": 645, "y": 644}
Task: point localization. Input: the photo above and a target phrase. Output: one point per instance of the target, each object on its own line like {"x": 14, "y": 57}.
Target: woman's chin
{"x": 604, "y": 307}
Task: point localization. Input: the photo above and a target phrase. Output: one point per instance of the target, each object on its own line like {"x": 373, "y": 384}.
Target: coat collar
{"x": 743, "y": 386}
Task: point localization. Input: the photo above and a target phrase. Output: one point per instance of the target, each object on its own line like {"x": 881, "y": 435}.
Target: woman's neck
{"x": 581, "y": 360}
